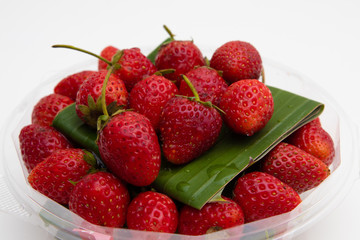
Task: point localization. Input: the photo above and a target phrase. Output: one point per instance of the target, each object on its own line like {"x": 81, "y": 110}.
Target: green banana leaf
{"x": 203, "y": 179}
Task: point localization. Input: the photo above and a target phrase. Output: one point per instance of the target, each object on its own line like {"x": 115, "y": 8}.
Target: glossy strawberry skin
{"x": 38, "y": 142}
{"x": 101, "y": 199}
{"x": 237, "y": 60}
{"x": 208, "y": 83}
{"x": 248, "y": 106}
{"x": 92, "y": 86}
{"x": 52, "y": 176}
{"x": 152, "y": 211}
{"x": 295, "y": 167}
{"x": 48, "y": 107}
{"x": 261, "y": 195}
{"x": 181, "y": 56}
{"x": 187, "y": 129}
{"x": 129, "y": 147}
{"x": 135, "y": 66}
{"x": 313, "y": 139}
{"x": 69, "y": 86}
{"x": 150, "y": 95}
{"x": 213, "y": 216}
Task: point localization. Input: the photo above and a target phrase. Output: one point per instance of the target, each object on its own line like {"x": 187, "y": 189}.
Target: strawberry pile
{"x": 172, "y": 109}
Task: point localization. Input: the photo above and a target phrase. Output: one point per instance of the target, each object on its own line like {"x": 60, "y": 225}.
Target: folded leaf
{"x": 203, "y": 179}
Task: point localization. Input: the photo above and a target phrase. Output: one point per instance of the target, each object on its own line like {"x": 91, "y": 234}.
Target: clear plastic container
{"x": 20, "y": 199}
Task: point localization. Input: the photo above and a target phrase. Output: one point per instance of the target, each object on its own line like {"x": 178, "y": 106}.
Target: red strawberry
{"x": 129, "y": 147}
{"x": 188, "y": 129}
{"x": 38, "y": 142}
{"x": 52, "y": 177}
{"x": 295, "y": 167}
{"x": 101, "y": 199}
{"x": 262, "y": 195}
{"x": 152, "y": 211}
{"x": 248, "y": 106}
{"x": 70, "y": 85}
{"x": 179, "y": 55}
{"x": 107, "y": 53}
{"x": 237, "y": 60}
{"x": 47, "y": 107}
{"x": 116, "y": 97}
{"x": 312, "y": 138}
{"x": 149, "y": 96}
{"x": 134, "y": 65}
{"x": 212, "y": 217}
{"x": 207, "y": 82}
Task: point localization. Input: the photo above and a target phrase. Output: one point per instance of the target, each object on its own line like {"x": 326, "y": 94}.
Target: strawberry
{"x": 212, "y": 217}
{"x": 53, "y": 177}
{"x": 295, "y": 167}
{"x": 134, "y": 66}
{"x": 88, "y": 101}
{"x": 149, "y": 96}
{"x": 248, "y": 106}
{"x": 313, "y": 139}
{"x": 129, "y": 147}
{"x": 179, "y": 55}
{"x": 47, "y": 107}
{"x": 152, "y": 211}
{"x": 187, "y": 129}
{"x": 262, "y": 195}
{"x": 237, "y": 60}
{"x": 107, "y": 53}
{"x": 101, "y": 199}
{"x": 207, "y": 82}
{"x": 70, "y": 85}
{"x": 37, "y": 142}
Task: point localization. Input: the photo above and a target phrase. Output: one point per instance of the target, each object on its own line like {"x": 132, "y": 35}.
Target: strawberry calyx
{"x": 196, "y": 96}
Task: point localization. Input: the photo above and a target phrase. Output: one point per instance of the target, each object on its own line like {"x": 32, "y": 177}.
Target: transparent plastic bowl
{"x": 63, "y": 224}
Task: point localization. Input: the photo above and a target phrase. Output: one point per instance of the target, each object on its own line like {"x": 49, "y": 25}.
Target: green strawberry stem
{"x": 192, "y": 88}
{"x": 197, "y": 97}
{"x": 169, "y": 32}
{"x": 263, "y": 75}
{"x": 82, "y": 50}
{"x": 163, "y": 72}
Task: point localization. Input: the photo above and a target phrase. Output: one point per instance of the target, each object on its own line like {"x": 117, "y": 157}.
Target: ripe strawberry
{"x": 129, "y": 147}
{"x": 149, "y": 96}
{"x": 152, "y": 211}
{"x": 47, "y": 107}
{"x": 179, "y": 55}
{"x": 38, "y": 142}
{"x": 88, "y": 103}
{"x": 107, "y": 53}
{"x": 237, "y": 60}
{"x": 134, "y": 65}
{"x": 295, "y": 167}
{"x": 313, "y": 139}
{"x": 188, "y": 129}
{"x": 70, "y": 85}
{"x": 207, "y": 82}
{"x": 262, "y": 195}
{"x": 101, "y": 199}
{"x": 212, "y": 217}
{"x": 248, "y": 106}
{"x": 52, "y": 177}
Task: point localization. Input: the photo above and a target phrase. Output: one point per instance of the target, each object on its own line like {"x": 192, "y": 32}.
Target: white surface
{"x": 318, "y": 38}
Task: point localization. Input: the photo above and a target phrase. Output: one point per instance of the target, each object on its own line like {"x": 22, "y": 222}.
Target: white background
{"x": 318, "y": 38}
